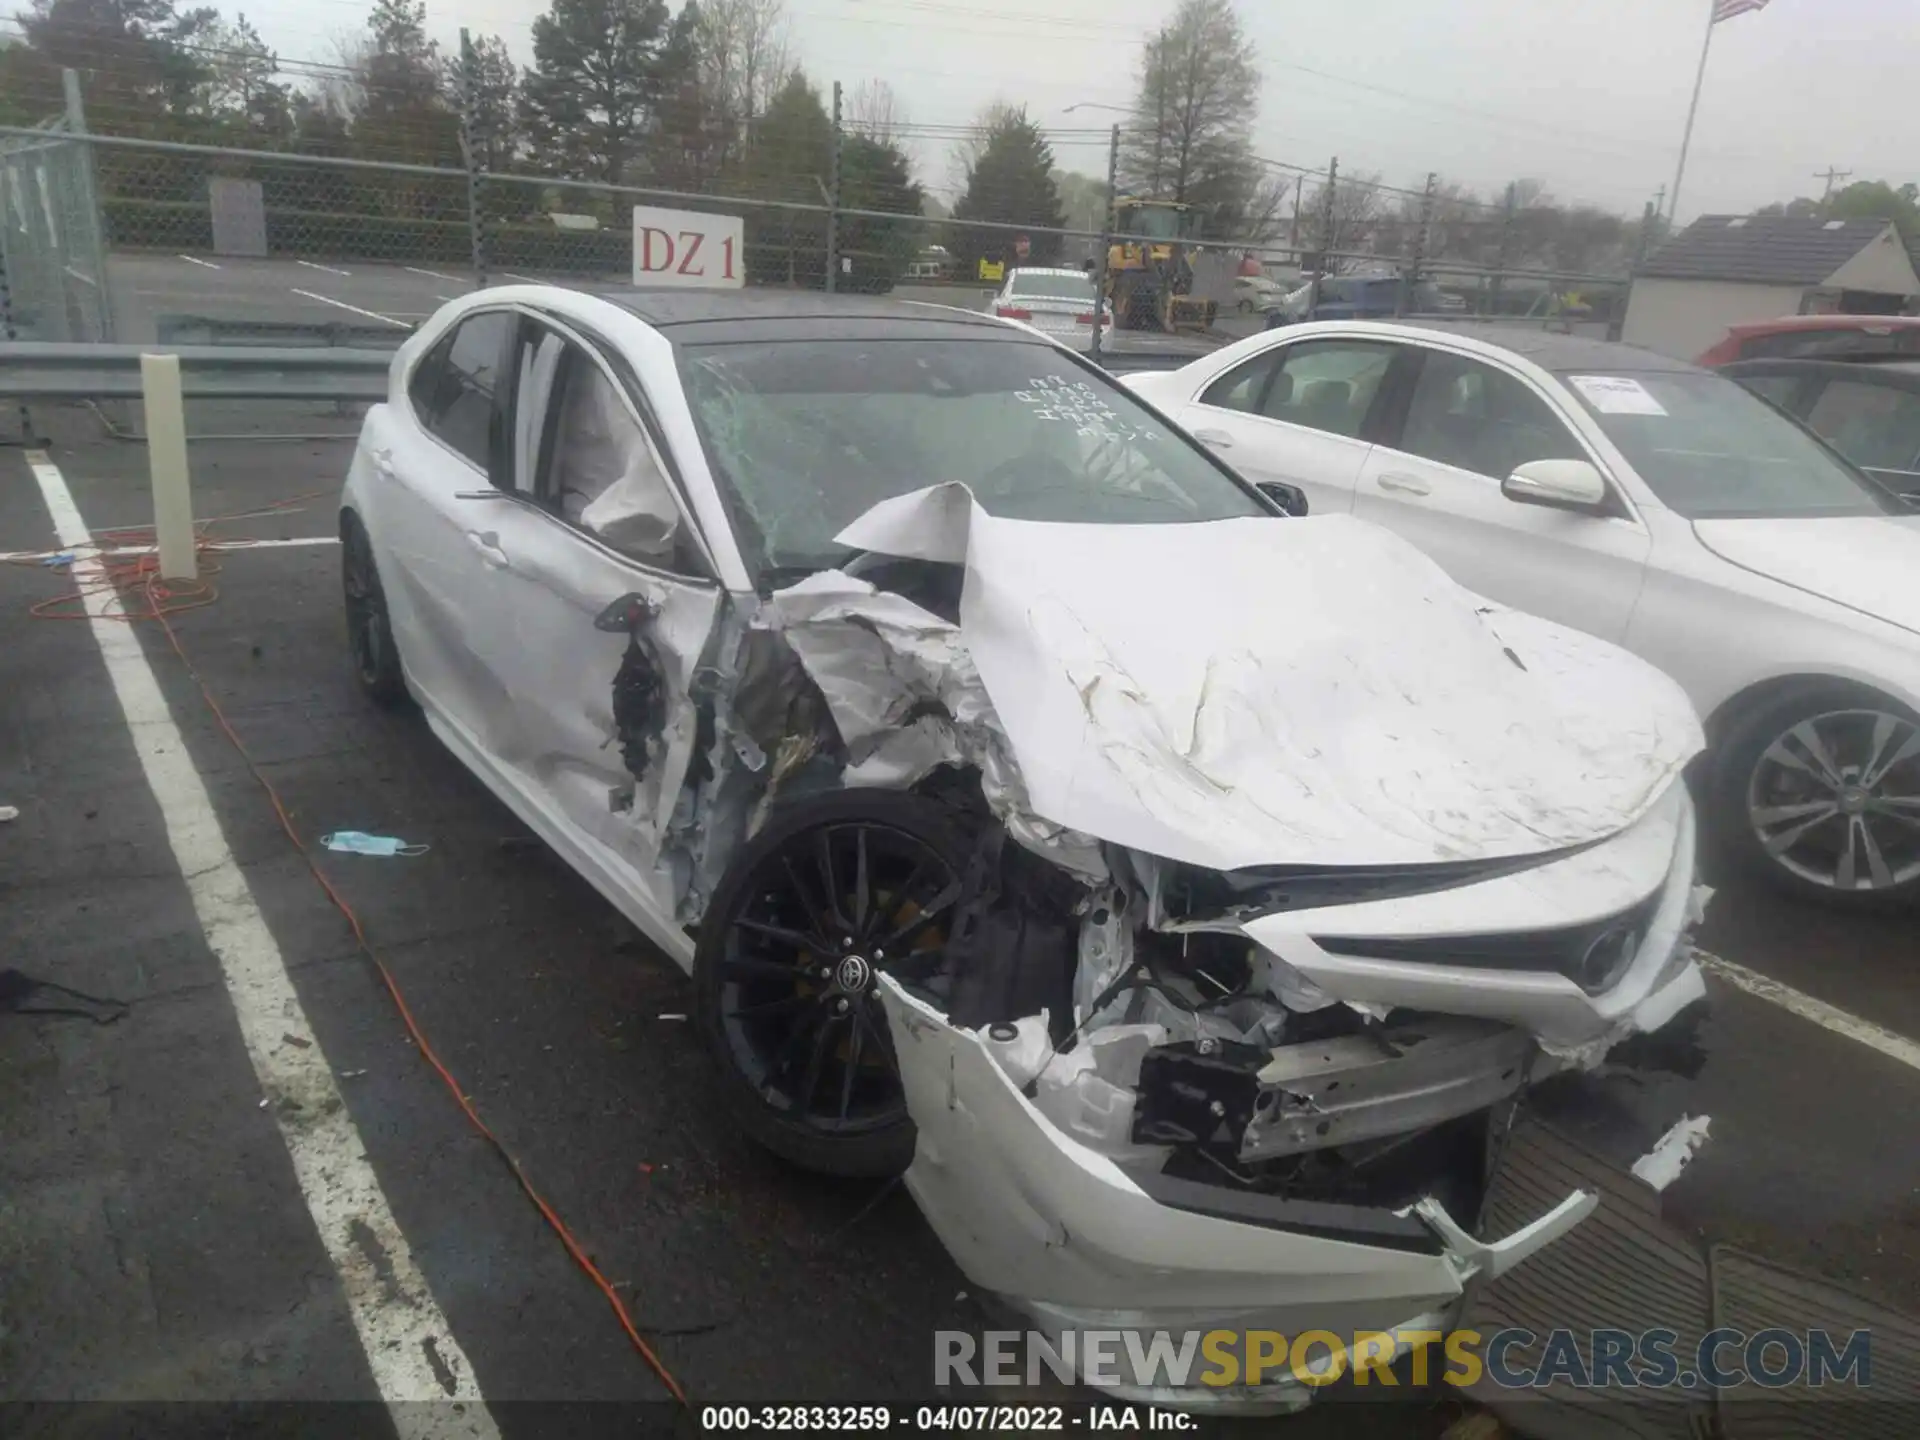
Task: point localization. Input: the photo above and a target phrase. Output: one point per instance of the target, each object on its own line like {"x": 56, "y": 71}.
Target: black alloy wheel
{"x": 841, "y": 889}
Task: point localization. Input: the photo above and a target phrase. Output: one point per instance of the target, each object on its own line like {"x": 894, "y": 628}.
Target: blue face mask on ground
{"x": 358, "y": 843}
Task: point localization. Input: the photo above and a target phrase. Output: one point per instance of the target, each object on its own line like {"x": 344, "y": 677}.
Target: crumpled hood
{"x": 1869, "y": 563}
{"x": 1270, "y": 692}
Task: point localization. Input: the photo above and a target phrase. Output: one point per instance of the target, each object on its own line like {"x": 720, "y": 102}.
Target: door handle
{"x": 1218, "y": 439}
{"x": 488, "y": 544}
{"x": 1405, "y": 484}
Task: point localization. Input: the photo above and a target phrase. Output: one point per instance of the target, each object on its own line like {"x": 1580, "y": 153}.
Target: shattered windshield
{"x": 806, "y": 436}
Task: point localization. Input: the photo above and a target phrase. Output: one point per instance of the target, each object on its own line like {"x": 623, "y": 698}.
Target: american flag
{"x": 1727, "y": 9}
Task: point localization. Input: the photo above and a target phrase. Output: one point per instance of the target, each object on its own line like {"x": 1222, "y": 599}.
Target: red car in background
{"x": 1817, "y": 337}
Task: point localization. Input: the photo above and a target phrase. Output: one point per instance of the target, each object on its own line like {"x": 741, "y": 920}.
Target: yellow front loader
{"x": 1150, "y": 267}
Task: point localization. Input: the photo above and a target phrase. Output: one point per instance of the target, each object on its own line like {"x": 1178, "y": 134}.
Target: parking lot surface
{"x": 149, "y": 286}
{"x": 159, "y": 1241}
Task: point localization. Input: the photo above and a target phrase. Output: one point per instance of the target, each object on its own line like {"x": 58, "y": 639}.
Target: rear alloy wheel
{"x": 376, "y": 660}
{"x": 1820, "y": 793}
{"x": 827, "y": 897}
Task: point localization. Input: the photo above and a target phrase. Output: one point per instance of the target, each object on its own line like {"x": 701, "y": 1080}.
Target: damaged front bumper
{"x": 1076, "y": 1241}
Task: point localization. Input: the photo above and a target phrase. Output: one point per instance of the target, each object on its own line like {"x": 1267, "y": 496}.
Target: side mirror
{"x": 1290, "y": 498}
{"x": 1560, "y": 484}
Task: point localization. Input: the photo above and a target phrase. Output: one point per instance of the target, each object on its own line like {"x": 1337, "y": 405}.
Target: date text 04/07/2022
{"x": 940, "y": 1419}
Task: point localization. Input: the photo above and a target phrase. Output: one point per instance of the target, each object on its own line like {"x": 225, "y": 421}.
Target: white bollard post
{"x": 166, "y": 415}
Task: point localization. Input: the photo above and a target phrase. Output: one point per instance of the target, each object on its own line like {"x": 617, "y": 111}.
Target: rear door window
{"x": 1240, "y": 388}
{"x": 1328, "y": 384}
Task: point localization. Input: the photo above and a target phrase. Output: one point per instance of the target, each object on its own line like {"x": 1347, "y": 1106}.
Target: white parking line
{"x": 225, "y": 547}
{"x": 410, "y": 1349}
{"x": 512, "y": 276}
{"x": 415, "y": 270}
{"x": 328, "y": 268}
{"x": 191, "y": 261}
{"x": 1827, "y": 1017}
{"x": 342, "y": 305}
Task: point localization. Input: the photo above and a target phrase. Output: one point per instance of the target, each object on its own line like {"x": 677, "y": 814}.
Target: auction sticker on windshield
{"x": 1617, "y": 395}
{"x": 687, "y": 249}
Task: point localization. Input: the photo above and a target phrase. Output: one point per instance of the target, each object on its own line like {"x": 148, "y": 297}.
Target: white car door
{"x": 1435, "y": 479}
{"x": 601, "y": 727}
{"x": 434, "y": 454}
{"x": 1296, "y": 414}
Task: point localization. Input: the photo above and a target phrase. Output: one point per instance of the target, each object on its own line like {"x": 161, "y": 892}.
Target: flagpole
{"x": 1706, "y": 44}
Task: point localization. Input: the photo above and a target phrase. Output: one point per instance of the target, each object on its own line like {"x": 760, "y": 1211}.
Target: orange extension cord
{"x": 137, "y": 577}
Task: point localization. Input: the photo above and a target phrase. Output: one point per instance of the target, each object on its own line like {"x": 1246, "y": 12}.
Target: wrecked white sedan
{"x": 1176, "y": 890}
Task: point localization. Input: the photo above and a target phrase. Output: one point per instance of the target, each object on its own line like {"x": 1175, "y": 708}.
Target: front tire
{"x": 376, "y": 659}
{"x": 1817, "y": 792}
{"x": 838, "y": 888}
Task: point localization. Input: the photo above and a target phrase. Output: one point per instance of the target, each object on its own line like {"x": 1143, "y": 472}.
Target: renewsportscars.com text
{"x": 1603, "y": 1359}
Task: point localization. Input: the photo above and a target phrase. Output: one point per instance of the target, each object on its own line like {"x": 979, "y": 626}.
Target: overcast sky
{"x": 1589, "y": 96}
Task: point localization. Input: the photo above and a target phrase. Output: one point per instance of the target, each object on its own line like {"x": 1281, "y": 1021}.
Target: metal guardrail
{"x": 40, "y": 371}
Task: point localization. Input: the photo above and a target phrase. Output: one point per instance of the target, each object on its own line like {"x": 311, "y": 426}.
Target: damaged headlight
{"x": 1192, "y": 893}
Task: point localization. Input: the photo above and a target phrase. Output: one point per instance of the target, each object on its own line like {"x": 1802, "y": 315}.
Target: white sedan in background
{"x": 1643, "y": 500}
{"x": 1056, "y": 301}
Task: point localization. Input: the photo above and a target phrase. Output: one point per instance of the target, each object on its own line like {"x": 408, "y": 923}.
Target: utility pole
{"x": 1503, "y": 254}
{"x": 1106, "y": 244}
{"x": 471, "y": 148}
{"x": 833, "y": 200}
{"x": 1410, "y": 282}
{"x": 1293, "y": 229}
{"x": 1830, "y": 175}
{"x": 1326, "y": 236}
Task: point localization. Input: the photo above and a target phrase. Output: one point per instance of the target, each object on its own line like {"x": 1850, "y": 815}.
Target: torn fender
{"x": 1250, "y": 692}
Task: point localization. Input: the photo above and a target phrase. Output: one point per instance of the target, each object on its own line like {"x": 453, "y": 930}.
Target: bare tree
{"x": 1269, "y": 209}
{"x": 745, "y": 56}
{"x": 343, "y": 92}
{"x": 1193, "y": 113}
{"x": 876, "y": 112}
{"x": 1357, "y": 205}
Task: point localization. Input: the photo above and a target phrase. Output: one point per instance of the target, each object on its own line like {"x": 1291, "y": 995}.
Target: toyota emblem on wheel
{"x": 853, "y": 974}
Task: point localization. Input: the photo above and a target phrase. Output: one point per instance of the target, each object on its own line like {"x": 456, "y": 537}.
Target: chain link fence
{"x": 840, "y": 213}
{"x": 53, "y": 275}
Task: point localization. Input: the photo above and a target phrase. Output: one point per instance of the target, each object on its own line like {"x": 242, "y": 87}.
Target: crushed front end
{"x": 1263, "y": 931}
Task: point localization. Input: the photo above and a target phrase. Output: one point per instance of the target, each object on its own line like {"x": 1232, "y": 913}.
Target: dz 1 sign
{"x": 687, "y": 249}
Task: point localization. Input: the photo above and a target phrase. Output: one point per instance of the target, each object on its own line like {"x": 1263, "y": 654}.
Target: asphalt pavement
{"x": 159, "y": 1242}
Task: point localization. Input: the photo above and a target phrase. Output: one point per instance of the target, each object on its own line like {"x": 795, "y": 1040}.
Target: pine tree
{"x": 788, "y": 156}
{"x": 877, "y": 175}
{"x": 590, "y": 96}
{"x": 688, "y": 144}
{"x": 1009, "y": 181}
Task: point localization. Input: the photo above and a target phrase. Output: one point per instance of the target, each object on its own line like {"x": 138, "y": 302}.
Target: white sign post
{"x": 166, "y": 416}
{"x": 687, "y": 249}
